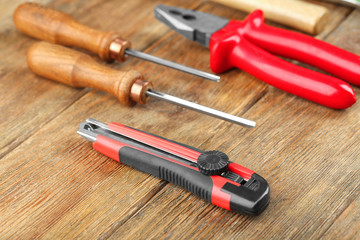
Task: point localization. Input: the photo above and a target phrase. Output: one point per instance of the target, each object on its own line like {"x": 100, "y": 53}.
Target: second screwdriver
{"x": 53, "y": 26}
{"x": 77, "y": 69}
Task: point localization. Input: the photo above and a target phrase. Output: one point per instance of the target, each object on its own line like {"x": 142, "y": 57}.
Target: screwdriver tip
{"x": 216, "y": 78}
{"x": 200, "y": 108}
{"x": 252, "y": 124}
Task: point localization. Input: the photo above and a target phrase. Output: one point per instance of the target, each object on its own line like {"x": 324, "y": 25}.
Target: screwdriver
{"x": 53, "y": 26}
{"x": 77, "y": 69}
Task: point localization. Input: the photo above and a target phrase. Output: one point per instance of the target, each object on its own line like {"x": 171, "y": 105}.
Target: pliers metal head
{"x": 249, "y": 45}
{"x": 194, "y": 25}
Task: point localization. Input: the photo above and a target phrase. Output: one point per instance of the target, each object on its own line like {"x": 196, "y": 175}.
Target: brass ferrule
{"x": 138, "y": 91}
{"x": 117, "y": 49}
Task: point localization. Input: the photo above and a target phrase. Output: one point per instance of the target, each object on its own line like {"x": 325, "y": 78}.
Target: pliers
{"x": 249, "y": 45}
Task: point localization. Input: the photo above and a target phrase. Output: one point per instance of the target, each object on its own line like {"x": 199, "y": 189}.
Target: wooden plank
{"x": 338, "y": 13}
{"x": 7, "y": 9}
{"x": 347, "y": 224}
{"x": 55, "y": 186}
{"x": 346, "y": 34}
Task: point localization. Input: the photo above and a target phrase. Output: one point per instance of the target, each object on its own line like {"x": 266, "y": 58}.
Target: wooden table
{"x": 55, "y": 186}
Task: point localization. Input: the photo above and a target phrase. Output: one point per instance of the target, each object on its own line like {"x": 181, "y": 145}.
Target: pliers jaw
{"x": 194, "y": 25}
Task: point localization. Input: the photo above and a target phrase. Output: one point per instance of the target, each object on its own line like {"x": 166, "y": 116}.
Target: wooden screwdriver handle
{"x": 77, "y": 69}
{"x": 53, "y": 26}
{"x": 305, "y": 16}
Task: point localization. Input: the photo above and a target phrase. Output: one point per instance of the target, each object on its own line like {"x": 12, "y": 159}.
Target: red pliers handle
{"x": 247, "y": 45}
{"x": 301, "y": 47}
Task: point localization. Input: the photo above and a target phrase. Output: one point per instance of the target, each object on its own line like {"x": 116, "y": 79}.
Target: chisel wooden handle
{"x": 77, "y": 69}
{"x": 50, "y": 25}
{"x": 301, "y": 15}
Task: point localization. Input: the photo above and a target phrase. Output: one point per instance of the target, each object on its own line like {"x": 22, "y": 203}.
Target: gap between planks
{"x": 81, "y": 94}
{"x": 353, "y": 199}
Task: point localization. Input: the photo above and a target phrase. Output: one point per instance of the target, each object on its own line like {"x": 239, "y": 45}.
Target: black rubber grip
{"x": 184, "y": 176}
{"x": 251, "y": 198}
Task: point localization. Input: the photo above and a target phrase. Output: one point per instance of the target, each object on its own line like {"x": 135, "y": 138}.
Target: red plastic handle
{"x": 301, "y": 47}
{"x": 229, "y": 49}
{"x": 156, "y": 142}
{"x": 237, "y": 189}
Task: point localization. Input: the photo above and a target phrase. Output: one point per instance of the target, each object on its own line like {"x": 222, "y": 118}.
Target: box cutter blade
{"x": 208, "y": 174}
{"x": 250, "y": 44}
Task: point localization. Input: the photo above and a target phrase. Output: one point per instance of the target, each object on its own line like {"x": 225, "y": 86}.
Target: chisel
{"x": 77, "y": 69}
{"x": 53, "y": 26}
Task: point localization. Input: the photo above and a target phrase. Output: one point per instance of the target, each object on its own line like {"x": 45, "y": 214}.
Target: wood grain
{"x": 47, "y": 24}
{"x": 347, "y": 224}
{"x": 76, "y": 69}
{"x": 307, "y": 17}
{"x": 54, "y": 185}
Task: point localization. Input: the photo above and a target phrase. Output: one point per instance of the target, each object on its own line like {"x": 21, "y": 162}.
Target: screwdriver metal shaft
{"x": 200, "y": 108}
{"x": 53, "y": 26}
{"x": 77, "y": 69}
{"x": 170, "y": 64}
